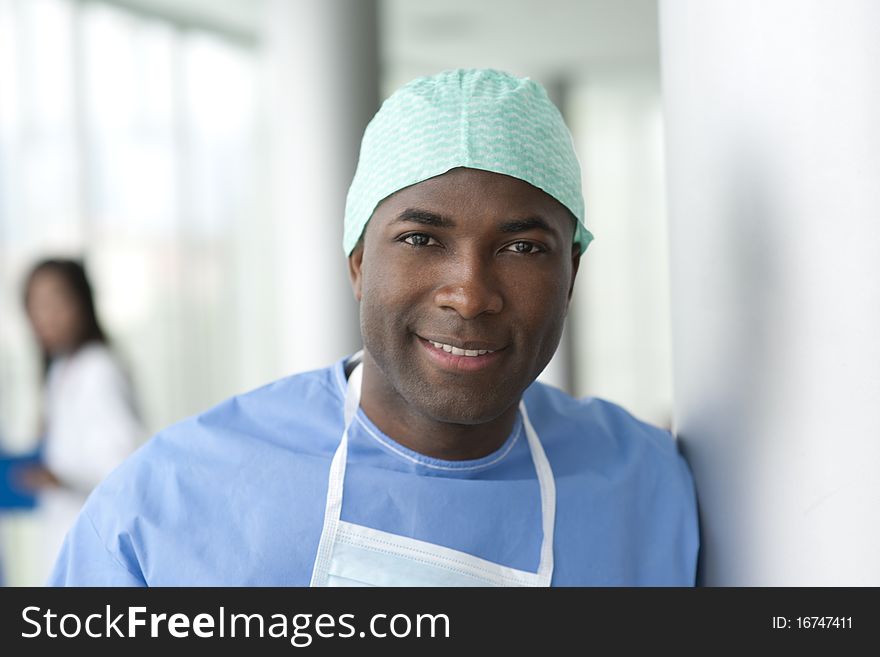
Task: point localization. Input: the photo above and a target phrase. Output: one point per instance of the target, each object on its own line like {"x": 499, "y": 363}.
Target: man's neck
{"x": 448, "y": 441}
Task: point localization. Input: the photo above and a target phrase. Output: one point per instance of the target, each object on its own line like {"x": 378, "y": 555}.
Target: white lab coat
{"x": 91, "y": 426}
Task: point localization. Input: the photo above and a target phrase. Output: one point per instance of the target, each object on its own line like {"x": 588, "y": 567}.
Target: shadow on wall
{"x": 737, "y": 323}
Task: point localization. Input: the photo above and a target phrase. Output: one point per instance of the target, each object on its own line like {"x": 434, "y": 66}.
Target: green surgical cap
{"x": 476, "y": 118}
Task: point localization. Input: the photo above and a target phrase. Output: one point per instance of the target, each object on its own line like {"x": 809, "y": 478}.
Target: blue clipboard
{"x": 11, "y": 496}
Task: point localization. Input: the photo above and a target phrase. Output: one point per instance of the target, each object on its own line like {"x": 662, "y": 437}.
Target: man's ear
{"x": 355, "y": 269}
{"x": 575, "y": 263}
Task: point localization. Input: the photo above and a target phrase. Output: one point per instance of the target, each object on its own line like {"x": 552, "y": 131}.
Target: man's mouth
{"x": 455, "y": 351}
{"x": 460, "y": 355}
{"x": 462, "y": 346}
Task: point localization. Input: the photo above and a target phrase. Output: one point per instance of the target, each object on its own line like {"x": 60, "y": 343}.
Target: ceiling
{"x": 546, "y": 39}
{"x": 241, "y": 19}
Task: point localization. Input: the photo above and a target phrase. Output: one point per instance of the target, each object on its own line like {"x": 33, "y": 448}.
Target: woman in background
{"x": 89, "y": 419}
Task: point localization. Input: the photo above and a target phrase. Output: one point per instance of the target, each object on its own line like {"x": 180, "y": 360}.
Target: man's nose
{"x": 470, "y": 288}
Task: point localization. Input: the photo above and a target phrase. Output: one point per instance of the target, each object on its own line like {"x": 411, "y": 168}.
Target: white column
{"x": 773, "y": 149}
{"x": 323, "y": 89}
{"x": 621, "y": 342}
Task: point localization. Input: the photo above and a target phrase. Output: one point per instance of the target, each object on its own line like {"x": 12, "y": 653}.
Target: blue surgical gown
{"x": 236, "y": 495}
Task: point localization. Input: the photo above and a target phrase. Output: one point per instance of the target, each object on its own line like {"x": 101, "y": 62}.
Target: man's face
{"x": 472, "y": 260}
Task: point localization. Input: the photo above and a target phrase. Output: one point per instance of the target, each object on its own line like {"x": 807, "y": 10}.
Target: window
{"x": 130, "y": 141}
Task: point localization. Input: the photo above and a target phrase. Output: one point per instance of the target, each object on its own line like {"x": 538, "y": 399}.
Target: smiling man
{"x": 432, "y": 457}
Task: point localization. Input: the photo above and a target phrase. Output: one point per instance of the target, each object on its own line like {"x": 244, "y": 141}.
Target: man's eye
{"x": 418, "y": 239}
{"x": 524, "y": 247}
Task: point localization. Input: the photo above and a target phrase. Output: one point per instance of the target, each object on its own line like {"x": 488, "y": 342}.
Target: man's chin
{"x": 464, "y": 411}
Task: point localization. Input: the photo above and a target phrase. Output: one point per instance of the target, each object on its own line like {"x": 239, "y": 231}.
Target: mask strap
{"x": 333, "y": 508}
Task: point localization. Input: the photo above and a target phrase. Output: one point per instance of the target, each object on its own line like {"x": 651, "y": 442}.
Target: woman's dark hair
{"x": 74, "y": 276}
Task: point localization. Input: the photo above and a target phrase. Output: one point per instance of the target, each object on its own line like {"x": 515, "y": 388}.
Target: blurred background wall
{"x": 197, "y": 153}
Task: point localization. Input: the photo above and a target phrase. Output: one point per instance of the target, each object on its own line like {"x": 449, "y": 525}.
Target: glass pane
{"x": 130, "y": 127}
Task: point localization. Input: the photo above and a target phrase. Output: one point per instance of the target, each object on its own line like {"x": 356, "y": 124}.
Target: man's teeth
{"x": 455, "y": 351}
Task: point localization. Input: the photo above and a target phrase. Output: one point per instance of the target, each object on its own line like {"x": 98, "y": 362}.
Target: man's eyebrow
{"x": 526, "y": 224}
{"x": 425, "y": 218}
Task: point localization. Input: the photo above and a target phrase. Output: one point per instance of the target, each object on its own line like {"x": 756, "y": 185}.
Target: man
{"x": 432, "y": 457}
